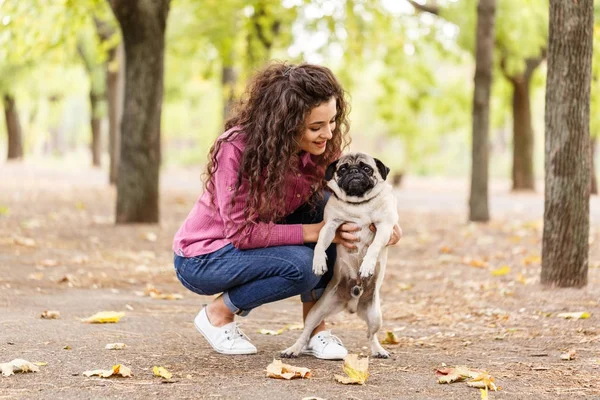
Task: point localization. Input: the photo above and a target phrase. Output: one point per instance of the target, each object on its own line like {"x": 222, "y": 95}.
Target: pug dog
{"x": 360, "y": 195}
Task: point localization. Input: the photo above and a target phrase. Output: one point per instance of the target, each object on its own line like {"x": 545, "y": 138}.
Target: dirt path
{"x": 440, "y": 299}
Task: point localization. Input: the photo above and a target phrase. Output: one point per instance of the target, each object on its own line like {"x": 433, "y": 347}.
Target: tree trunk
{"x": 115, "y": 85}
{"x": 478, "y": 202}
{"x": 95, "y": 122}
{"x": 228, "y": 79}
{"x": 594, "y": 189}
{"x": 143, "y": 26}
{"x": 565, "y": 243}
{"x": 522, "y": 172}
{"x": 13, "y": 128}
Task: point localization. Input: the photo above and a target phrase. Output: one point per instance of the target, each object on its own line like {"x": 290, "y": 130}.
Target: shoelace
{"x": 332, "y": 337}
{"x": 236, "y": 332}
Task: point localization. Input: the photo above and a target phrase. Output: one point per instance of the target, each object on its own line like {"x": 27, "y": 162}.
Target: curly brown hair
{"x": 272, "y": 115}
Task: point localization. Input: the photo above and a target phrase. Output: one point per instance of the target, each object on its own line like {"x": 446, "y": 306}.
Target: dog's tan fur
{"x": 363, "y": 267}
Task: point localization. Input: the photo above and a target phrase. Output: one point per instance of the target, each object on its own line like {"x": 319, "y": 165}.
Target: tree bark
{"x": 478, "y": 202}
{"x": 594, "y": 189}
{"x": 13, "y": 128}
{"x": 523, "y": 174}
{"x": 95, "y": 122}
{"x": 565, "y": 243}
{"x": 115, "y": 85}
{"x": 228, "y": 80}
{"x": 143, "y": 24}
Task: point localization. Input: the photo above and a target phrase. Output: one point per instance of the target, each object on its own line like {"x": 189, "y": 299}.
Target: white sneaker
{"x": 325, "y": 346}
{"x": 227, "y": 339}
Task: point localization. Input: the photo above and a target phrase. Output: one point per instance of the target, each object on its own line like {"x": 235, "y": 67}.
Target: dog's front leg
{"x": 326, "y": 305}
{"x": 326, "y": 236}
{"x": 382, "y": 237}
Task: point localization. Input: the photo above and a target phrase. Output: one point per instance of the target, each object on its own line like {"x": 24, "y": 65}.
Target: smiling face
{"x": 319, "y": 128}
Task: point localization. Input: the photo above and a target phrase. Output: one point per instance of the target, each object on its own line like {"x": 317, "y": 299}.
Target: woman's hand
{"x": 345, "y": 235}
{"x": 396, "y": 234}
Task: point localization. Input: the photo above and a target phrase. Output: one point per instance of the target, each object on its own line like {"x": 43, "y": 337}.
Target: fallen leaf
{"x": 18, "y": 365}
{"x": 568, "y": 356}
{"x": 67, "y": 347}
{"x": 483, "y": 381}
{"x": 80, "y": 205}
{"x": 69, "y": 279}
{"x": 50, "y": 314}
{"x": 279, "y": 370}
{"x": 575, "y": 315}
{"x": 503, "y": 270}
{"x": 105, "y": 317}
{"x": 294, "y": 327}
{"x": 49, "y": 263}
{"x": 357, "y": 370}
{"x": 118, "y": 369}
{"x": 158, "y": 295}
{"x": 161, "y": 371}
{"x": 36, "y": 276}
{"x": 40, "y": 363}
{"x": 484, "y": 394}
{"x": 23, "y": 241}
{"x": 532, "y": 260}
{"x": 475, "y": 263}
{"x": 4, "y": 210}
{"x": 456, "y": 374}
{"x": 150, "y": 236}
{"x": 271, "y": 332}
{"x": 446, "y": 250}
{"x": 521, "y": 279}
{"x": 115, "y": 346}
{"x": 390, "y": 338}
{"x": 404, "y": 286}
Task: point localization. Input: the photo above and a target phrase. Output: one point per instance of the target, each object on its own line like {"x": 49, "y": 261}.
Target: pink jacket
{"x": 207, "y": 228}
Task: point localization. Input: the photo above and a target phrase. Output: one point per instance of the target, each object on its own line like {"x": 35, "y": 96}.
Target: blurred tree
{"x": 565, "y": 243}
{"x": 521, "y": 40}
{"x": 595, "y": 100}
{"x": 484, "y": 50}
{"x": 13, "y": 128}
{"x": 143, "y": 25}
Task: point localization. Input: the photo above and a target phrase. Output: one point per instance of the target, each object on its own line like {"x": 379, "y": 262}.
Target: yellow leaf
{"x": 357, "y": 370}
{"x": 122, "y": 370}
{"x": 503, "y": 270}
{"x": 575, "y": 315}
{"x": 390, "y": 338}
{"x": 456, "y": 374}
{"x": 105, "y": 317}
{"x": 483, "y": 381}
{"x": 446, "y": 250}
{"x": 568, "y": 356}
{"x": 404, "y": 286}
{"x": 484, "y": 394}
{"x": 18, "y": 365}
{"x": 161, "y": 371}
{"x": 279, "y": 370}
{"x": 115, "y": 346}
{"x": 40, "y": 363}
{"x": 4, "y": 210}
{"x": 67, "y": 347}
{"x": 521, "y": 279}
{"x": 271, "y": 332}
{"x": 80, "y": 205}
{"x": 50, "y": 314}
{"x": 532, "y": 260}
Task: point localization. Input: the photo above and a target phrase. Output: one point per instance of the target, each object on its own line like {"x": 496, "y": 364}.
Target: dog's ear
{"x": 383, "y": 170}
{"x": 331, "y": 170}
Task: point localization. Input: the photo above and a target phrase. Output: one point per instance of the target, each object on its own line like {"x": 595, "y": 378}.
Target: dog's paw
{"x": 290, "y": 352}
{"x": 319, "y": 263}
{"x": 367, "y": 268}
{"x": 381, "y": 354}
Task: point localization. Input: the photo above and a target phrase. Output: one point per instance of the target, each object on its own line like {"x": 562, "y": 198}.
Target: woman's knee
{"x": 304, "y": 277}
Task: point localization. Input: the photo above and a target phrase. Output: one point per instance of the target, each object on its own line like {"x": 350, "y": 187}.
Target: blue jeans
{"x": 250, "y": 278}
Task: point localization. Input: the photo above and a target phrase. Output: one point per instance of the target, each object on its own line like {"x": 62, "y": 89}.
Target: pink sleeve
{"x": 259, "y": 234}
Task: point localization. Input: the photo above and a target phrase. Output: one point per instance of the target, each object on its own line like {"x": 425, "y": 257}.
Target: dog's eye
{"x": 367, "y": 169}
{"x": 342, "y": 169}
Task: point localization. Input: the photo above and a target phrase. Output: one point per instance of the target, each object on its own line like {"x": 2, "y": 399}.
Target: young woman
{"x": 250, "y": 236}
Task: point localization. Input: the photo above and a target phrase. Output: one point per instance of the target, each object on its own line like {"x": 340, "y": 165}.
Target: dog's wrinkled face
{"x": 355, "y": 175}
